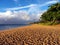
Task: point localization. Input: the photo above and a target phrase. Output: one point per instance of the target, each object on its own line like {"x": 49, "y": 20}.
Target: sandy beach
{"x": 31, "y": 35}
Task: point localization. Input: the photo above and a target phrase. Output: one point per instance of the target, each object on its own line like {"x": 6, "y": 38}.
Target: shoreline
{"x": 30, "y": 26}
{"x": 31, "y": 34}
{"x": 12, "y": 26}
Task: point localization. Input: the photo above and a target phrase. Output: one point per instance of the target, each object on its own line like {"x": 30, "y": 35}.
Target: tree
{"x": 52, "y": 14}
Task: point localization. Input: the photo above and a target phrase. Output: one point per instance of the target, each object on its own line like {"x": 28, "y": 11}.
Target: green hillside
{"x": 52, "y": 15}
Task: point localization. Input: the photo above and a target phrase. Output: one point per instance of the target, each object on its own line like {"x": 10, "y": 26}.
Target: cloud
{"x": 50, "y": 2}
{"x": 23, "y": 16}
{"x": 14, "y": 17}
{"x": 19, "y": 17}
{"x": 17, "y": 8}
{"x": 32, "y": 5}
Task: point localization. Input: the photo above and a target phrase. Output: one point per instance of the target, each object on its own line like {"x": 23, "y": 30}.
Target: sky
{"x": 23, "y": 11}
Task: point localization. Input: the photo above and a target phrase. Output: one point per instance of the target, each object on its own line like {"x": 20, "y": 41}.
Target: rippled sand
{"x": 31, "y": 35}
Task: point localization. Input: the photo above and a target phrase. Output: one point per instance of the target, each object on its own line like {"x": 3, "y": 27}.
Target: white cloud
{"x": 20, "y": 16}
{"x": 17, "y": 8}
{"x": 16, "y": 14}
{"x": 32, "y": 5}
{"x": 14, "y": 17}
{"x": 23, "y": 16}
{"x": 50, "y": 2}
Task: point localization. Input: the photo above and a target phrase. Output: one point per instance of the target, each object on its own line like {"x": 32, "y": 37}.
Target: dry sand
{"x": 31, "y": 35}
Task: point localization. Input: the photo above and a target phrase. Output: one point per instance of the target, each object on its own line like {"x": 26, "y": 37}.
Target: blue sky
{"x": 22, "y": 11}
{"x": 16, "y": 3}
{"x": 4, "y": 4}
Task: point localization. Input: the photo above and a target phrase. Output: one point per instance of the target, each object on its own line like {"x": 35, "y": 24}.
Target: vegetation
{"x": 52, "y": 15}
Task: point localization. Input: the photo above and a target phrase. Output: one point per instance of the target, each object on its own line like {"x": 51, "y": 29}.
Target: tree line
{"x": 52, "y": 15}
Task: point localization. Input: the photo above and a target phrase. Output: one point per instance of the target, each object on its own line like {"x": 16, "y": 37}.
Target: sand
{"x": 31, "y": 35}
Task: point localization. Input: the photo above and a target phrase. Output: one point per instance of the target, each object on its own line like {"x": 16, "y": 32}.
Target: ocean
{"x": 9, "y": 26}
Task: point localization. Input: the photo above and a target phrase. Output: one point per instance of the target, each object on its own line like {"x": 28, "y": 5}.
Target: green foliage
{"x": 52, "y": 14}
